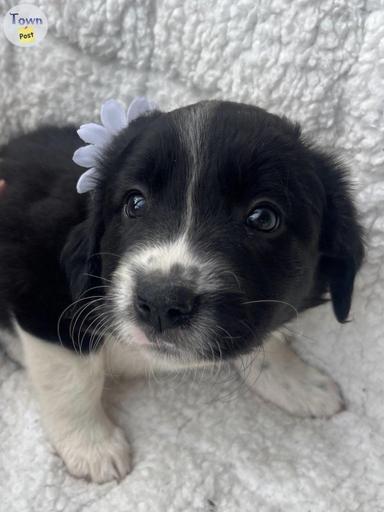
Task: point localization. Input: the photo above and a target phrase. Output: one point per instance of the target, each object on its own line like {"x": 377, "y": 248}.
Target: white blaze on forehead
{"x": 193, "y": 132}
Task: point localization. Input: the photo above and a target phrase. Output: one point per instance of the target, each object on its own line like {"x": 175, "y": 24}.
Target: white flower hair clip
{"x": 114, "y": 118}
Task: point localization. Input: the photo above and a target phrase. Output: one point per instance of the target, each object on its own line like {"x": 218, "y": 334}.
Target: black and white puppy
{"x": 211, "y": 226}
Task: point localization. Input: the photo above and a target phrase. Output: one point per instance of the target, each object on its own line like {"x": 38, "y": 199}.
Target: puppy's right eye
{"x": 135, "y": 205}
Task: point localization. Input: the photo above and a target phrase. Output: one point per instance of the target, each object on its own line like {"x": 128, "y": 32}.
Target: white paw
{"x": 314, "y": 394}
{"x": 101, "y": 455}
{"x": 279, "y": 376}
{"x": 301, "y": 390}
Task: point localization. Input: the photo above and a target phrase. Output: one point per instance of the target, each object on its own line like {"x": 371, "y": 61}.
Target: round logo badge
{"x": 25, "y": 25}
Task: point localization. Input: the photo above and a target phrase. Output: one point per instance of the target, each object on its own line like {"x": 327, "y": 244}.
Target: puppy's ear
{"x": 341, "y": 242}
{"x": 80, "y": 258}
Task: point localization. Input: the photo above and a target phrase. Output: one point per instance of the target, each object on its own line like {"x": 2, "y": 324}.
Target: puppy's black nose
{"x": 164, "y": 305}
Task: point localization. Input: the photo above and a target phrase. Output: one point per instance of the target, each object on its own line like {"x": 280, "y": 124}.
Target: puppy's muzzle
{"x": 162, "y": 304}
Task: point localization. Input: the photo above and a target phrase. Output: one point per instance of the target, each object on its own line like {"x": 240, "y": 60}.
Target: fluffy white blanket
{"x": 204, "y": 446}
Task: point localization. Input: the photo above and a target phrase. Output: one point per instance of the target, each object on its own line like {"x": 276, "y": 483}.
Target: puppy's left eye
{"x": 264, "y": 218}
{"x": 135, "y": 205}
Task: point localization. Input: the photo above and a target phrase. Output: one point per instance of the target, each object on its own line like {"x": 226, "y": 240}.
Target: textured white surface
{"x": 321, "y": 63}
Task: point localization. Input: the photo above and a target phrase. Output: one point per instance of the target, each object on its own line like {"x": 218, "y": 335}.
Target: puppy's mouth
{"x": 149, "y": 339}
{"x": 152, "y": 341}
{"x": 194, "y": 344}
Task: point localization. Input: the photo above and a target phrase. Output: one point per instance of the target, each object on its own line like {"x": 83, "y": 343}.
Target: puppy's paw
{"x": 284, "y": 379}
{"x": 101, "y": 455}
{"x": 310, "y": 393}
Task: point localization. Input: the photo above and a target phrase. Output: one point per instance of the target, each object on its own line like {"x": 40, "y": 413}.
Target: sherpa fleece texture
{"x": 211, "y": 445}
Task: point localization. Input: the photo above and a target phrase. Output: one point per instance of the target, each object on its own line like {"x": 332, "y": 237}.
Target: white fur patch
{"x": 162, "y": 257}
{"x": 192, "y": 124}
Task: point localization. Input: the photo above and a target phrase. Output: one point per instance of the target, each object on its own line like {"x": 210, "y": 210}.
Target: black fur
{"x": 54, "y": 247}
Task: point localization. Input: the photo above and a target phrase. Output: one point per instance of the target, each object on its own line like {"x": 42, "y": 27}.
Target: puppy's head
{"x": 213, "y": 225}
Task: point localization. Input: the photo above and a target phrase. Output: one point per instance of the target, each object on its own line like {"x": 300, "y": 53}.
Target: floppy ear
{"x": 341, "y": 242}
{"x": 80, "y": 258}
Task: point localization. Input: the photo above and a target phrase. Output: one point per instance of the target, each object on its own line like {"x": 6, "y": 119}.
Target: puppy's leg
{"x": 69, "y": 388}
{"x": 279, "y": 376}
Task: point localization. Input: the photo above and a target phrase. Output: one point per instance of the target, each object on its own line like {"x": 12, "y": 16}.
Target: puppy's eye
{"x": 264, "y": 218}
{"x": 135, "y": 205}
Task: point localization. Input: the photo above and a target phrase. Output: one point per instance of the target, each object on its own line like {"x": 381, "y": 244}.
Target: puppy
{"x": 211, "y": 226}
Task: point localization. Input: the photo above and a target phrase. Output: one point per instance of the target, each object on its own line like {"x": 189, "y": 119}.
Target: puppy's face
{"x": 213, "y": 226}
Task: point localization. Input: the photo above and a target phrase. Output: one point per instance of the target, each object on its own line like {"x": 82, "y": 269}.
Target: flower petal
{"x": 86, "y": 156}
{"x": 113, "y": 116}
{"x": 93, "y": 133}
{"x": 138, "y": 107}
{"x": 87, "y": 181}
